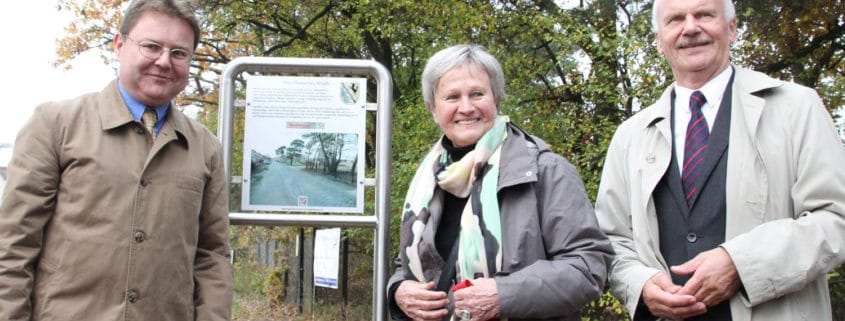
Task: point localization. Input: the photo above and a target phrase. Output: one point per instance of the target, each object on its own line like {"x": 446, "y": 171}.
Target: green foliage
{"x": 836, "y": 280}
{"x": 274, "y": 284}
{"x": 802, "y": 41}
{"x": 606, "y": 308}
{"x": 413, "y": 128}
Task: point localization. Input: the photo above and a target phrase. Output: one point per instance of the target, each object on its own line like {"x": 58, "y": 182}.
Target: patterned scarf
{"x": 475, "y": 176}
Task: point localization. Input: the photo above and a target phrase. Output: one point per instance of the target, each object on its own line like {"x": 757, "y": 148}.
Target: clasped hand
{"x": 481, "y": 299}
{"x": 714, "y": 279}
{"x": 420, "y": 302}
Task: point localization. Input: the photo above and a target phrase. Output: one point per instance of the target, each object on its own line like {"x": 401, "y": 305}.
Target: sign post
{"x": 347, "y": 90}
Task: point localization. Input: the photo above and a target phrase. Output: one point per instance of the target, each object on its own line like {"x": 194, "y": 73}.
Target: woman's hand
{"x": 419, "y": 302}
{"x": 481, "y": 300}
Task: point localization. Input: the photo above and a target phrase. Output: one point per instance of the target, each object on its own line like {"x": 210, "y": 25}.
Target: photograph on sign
{"x": 304, "y": 144}
{"x": 326, "y": 257}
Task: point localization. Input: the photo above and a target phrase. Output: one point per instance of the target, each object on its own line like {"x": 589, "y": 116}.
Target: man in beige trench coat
{"x": 742, "y": 227}
{"x": 104, "y": 218}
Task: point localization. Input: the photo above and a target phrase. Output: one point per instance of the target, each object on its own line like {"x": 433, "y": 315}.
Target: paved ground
{"x": 280, "y": 184}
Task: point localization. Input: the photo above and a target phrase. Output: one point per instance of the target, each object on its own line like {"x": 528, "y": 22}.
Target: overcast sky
{"x": 29, "y": 33}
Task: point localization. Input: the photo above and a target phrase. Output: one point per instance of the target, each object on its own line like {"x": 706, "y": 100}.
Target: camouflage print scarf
{"x": 475, "y": 176}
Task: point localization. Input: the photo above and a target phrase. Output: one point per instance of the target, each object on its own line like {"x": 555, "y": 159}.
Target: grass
{"x": 251, "y": 307}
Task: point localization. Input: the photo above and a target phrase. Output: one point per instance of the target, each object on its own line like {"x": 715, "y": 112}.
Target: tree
{"x": 329, "y": 146}
{"x": 294, "y": 150}
{"x": 801, "y": 41}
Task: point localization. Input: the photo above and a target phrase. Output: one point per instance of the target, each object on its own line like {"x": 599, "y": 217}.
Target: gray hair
{"x": 456, "y": 56}
{"x": 730, "y": 13}
{"x": 174, "y": 8}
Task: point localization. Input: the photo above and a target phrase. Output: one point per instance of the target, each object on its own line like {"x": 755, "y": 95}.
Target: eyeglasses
{"x": 154, "y": 50}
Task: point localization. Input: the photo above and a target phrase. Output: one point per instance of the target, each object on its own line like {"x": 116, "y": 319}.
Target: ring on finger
{"x": 465, "y": 315}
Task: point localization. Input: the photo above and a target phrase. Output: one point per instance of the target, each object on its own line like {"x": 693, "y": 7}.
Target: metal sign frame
{"x": 383, "y": 106}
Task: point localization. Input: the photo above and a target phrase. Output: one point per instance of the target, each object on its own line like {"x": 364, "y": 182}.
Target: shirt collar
{"x": 137, "y": 108}
{"x": 712, "y": 90}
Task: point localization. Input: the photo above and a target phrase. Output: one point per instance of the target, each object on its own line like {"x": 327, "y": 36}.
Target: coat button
{"x": 691, "y": 237}
{"x": 139, "y": 236}
{"x": 132, "y": 296}
{"x": 145, "y": 182}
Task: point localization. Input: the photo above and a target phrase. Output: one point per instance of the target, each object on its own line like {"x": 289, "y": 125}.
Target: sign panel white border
{"x": 304, "y": 144}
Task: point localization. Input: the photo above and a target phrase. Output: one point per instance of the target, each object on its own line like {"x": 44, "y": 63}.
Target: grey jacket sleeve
{"x": 578, "y": 254}
{"x": 392, "y": 284}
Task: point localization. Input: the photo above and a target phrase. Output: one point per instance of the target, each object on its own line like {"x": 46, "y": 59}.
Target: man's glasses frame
{"x": 153, "y": 50}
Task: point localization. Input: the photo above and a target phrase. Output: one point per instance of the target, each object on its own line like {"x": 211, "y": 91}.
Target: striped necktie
{"x": 694, "y": 146}
{"x": 149, "y": 119}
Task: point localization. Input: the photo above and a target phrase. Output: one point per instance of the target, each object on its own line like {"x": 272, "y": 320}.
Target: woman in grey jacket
{"x": 495, "y": 225}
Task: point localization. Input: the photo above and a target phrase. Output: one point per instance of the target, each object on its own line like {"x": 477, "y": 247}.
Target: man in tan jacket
{"x": 725, "y": 200}
{"x": 111, "y": 214}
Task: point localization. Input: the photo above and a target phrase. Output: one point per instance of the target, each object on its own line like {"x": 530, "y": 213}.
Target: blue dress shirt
{"x": 137, "y": 108}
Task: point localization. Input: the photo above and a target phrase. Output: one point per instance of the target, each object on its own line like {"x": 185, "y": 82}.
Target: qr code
{"x": 303, "y": 201}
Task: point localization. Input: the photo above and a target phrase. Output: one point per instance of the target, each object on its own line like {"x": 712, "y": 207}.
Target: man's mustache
{"x": 693, "y": 42}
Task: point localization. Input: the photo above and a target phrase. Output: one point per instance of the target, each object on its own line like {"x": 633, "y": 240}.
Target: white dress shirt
{"x": 712, "y": 91}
